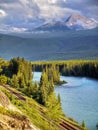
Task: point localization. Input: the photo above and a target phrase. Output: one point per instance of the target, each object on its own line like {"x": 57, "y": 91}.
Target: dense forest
{"x": 81, "y": 68}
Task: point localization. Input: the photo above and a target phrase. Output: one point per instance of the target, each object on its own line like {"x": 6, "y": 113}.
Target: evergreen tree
{"x": 51, "y": 86}
{"x": 44, "y": 85}
{"x": 55, "y": 74}
{"x": 83, "y": 124}
{"x": 54, "y": 110}
{"x": 35, "y": 94}
{"x": 22, "y": 82}
{"x": 59, "y": 99}
{"x": 15, "y": 81}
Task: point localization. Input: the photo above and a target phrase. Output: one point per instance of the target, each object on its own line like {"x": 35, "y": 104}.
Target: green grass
{"x": 31, "y": 109}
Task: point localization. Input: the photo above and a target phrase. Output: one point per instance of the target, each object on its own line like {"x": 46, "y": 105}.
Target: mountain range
{"x": 73, "y": 38}
{"x": 74, "y": 22}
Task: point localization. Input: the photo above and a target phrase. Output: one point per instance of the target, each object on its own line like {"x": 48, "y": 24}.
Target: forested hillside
{"x": 36, "y": 100}
{"x": 51, "y": 46}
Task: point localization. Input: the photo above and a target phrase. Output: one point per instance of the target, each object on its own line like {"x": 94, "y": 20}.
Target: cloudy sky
{"x": 21, "y": 12}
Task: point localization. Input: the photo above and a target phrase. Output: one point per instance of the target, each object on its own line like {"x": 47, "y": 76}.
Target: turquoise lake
{"x": 79, "y": 98}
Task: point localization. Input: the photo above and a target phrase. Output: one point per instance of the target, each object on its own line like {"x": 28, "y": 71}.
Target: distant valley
{"x": 58, "y": 45}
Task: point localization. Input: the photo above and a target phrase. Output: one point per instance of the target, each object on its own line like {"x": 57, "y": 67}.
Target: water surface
{"x": 79, "y": 98}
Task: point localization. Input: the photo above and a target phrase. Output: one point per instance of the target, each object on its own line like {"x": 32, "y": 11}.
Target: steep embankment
{"x": 11, "y": 118}
{"x": 4, "y": 101}
{"x": 36, "y": 113}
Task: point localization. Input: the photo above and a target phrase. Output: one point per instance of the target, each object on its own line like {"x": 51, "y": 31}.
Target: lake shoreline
{"x": 76, "y": 98}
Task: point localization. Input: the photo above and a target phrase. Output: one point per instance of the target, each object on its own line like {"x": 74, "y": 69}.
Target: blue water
{"x": 79, "y": 98}
{"x": 36, "y": 76}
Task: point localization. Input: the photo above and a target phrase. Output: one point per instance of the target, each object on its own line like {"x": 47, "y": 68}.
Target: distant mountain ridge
{"x": 53, "y": 25}
{"x": 58, "y": 45}
{"x": 74, "y": 22}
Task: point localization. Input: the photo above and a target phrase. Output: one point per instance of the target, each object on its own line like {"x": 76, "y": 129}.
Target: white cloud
{"x": 2, "y": 13}
{"x": 49, "y": 12}
{"x": 36, "y": 8}
{"x": 24, "y": 12}
{"x": 49, "y": 9}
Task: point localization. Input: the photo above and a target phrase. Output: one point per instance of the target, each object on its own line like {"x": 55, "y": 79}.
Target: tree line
{"x": 82, "y": 68}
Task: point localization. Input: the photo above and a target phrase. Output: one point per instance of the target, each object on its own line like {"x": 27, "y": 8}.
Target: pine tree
{"x": 15, "y": 81}
{"x": 83, "y": 124}
{"x": 22, "y": 82}
{"x": 55, "y": 74}
{"x": 51, "y": 86}
{"x": 54, "y": 110}
{"x": 59, "y": 99}
{"x": 44, "y": 85}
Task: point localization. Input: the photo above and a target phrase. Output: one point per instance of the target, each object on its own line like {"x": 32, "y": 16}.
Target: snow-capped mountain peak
{"x": 78, "y": 22}
{"x": 75, "y": 22}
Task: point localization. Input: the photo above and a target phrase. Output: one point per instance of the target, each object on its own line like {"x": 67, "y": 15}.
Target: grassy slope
{"x": 29, "y": 109}
{"x": 51, "y": 46}
{"x": 33, "y": 110}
